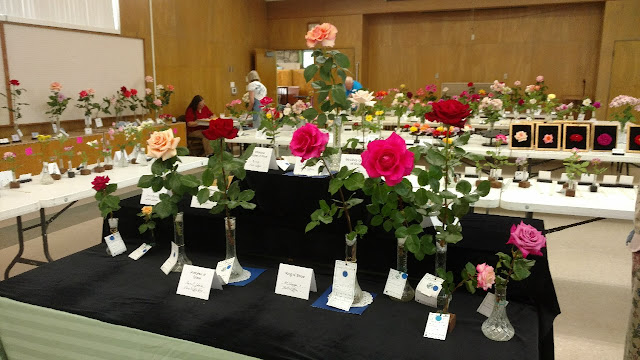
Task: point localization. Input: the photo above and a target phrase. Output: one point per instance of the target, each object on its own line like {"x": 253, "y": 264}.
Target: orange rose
{"x": 162, "y": 144}
{"x": 55, "y": 86}
{"x": 325, "y": 33}
{"x": 147, "y": 210}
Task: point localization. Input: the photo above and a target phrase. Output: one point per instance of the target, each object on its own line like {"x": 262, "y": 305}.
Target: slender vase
{"x": 61, "y": 166}
{"x": 141, "y": 158}
{"x": 230, "y": 234}
{"x": 401, "y": 257}
{"x": 441, "y": 263}
{"x": 108, "y": 162}
{"x": 122, "y": 162}
{"x": 45, "y": 178}
{"x": 178, "y": 239}
{"x": 350, "y": 255}
{"x": 113, "y": 228}
{"x": 498, "y": 327}
{"x": 71, "y": 173}
{"x": 334, "y": 160}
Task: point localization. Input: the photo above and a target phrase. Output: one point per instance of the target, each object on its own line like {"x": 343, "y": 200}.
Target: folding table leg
{"x": 45, "y": 242}
{"x": 20, "y": 247}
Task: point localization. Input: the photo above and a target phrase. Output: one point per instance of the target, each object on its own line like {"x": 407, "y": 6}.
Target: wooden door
{"x": 265, "y": 65}
{"x": 625, "y": 71}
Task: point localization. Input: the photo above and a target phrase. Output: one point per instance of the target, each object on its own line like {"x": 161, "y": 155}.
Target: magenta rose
{"x": 604, "y": 139}
{"x": 389, "y": 158}
{"x": 527, "y": 239}
{"x": 308, "y": 142}
{"x": 486, "y": 276}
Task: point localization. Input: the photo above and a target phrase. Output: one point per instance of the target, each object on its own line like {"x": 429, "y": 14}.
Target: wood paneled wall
{"x": 559, "y": 42}
{"x": 200, "y": 45}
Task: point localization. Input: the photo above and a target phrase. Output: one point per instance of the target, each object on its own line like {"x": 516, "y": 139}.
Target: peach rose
{"x": 325, "y": 33}
{"x": 162, "y": 144}
{"x": 55, "y": 86}
{"x": 147, "y": 210}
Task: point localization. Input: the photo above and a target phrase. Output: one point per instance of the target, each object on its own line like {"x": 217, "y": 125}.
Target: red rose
{"x": 100, "y": 183}
{"x": 406, "y": 126}
{"x": 134, "y": 91}
{"x": 123, "y": 89}
{"x": 576, "y": 138}
{"x": 220, "y": 128}
{"x": 356, "y": 124}
{"x": 14, "y": 82}
{"x": 409, "y": 94}
{"x": 266, "y": 101}
{"x": 83, "y": 93}
{"x": 470, "y": 84}
{"x": 449, "y": 112}
{"x": 520, "y": 102}
{"x": 637, "y": 140}
{"x": 127, "y": 94}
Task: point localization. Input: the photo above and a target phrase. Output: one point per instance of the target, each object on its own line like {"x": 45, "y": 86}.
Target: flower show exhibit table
{"x": 33, "y": 196}
{"x": 252, "y": 320}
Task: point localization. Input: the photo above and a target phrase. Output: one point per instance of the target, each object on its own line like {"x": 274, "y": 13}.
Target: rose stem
{"x": 344, "y": 202}
{"x": 447, "y": 148}
{"x": 224, "y": 194}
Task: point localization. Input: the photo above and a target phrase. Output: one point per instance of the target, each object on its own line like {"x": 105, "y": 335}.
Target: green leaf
{"x": 247, "y": 205}
{"x": 361, "y": 229}
{"x": 403, "y": 188}
{"x": 423, "y": 178}
{"x": 145, "y": 181}
{"x": 189, "y": 181}
{"x": 470, "y": 287}
{"x": 164, "y": 209}
{"x": 354, "y": 182}
{"x": 111, "y": 188}
{"x": 334, "y": 185}
{"x": 373, "y": 209}
{"x": 460, "y": 210}
{"x": 310, "y": 226}
{"x": 310, "y": 114}
{"x": 401, "y": 232}
{"x": 388, "y": 225}
{"x": 157, "y": 184}
{"x": 142, "y": 228}
{"x": 377, "y": 220}
{"x": 182, "y": 151}
{"x": 246, "y": 195}
{"x": 463, "y": 187}
{"x": 483, "y": 188}
{"x": 203, "y": 195}
{"x": 324, "y": 206}
{"x": 471, "y": 270}
{"x": 421, "y": 197}
{"x": 353, "y": 202}
{"x": 310, "y": 71}
{"x": 339, "y": 95}
{"x": 448, "y": 194}
{"x": 342, "y": 60}
{"x": 207, "y": 177}
{"x": 520, "y": 270}
{"x": 325, "y": 69}
{"x": 414, "y": 229}
{"x": 157, "y": 168}
{"x": 434, "y": 157}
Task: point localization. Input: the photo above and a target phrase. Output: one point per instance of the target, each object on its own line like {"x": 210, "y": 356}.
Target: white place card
{"x": 53, "y": 168}
{"x": 64, "y": 132}
{"x": 626, "y": 180}
{"x": 300, "y": 169}
{"x": 344, "y": 285}
{"x": 544, "y": 175}
{"x": 428, "y": 290}
{"x": 98, "y": 122}
{"x": 470, "y": 170}
{"x": 207, "y": 204}
{"x": 581, "y": 117}
{"x": 15, "y": 138}
{"x": 5, "y": 177}
{"x": 88, "y": 131}
{"x": 141, "y": 250}
{"x": 610, "y": 179}
{"x": 617, "y": 152}
{"x": 261, "y": 134}
{"x": 115, "y": 243}
{"x": 55, "y": 128}
{"x": 195, "y": 281}
{"x": 437, "y": 326}
{"x": 295, "y": 281}
{"x": 226, "y": 267}
{"x": 19, "y": 132}
{"x": 34, "y": 135}
{"x": 24, "y": 177}
{"x": 4, "y": 140}
{"x": 171, "y": 261}
{"x": 588, "y": 178}
{"x": 261, "y": 160}
{"x": 151, "y": 198}
{"x": 353, "y": 162}
{"x": 498, "y": 173}
{"x": 283, "y": 165}
{"x": 486, "y": 307}
{"x": 396, "y": 281}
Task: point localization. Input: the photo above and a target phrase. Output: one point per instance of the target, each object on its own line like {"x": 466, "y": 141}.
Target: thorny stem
{"x": 345, "y": 208}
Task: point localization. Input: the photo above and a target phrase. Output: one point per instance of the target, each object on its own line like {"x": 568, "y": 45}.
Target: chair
{"x": 194, "y": 144}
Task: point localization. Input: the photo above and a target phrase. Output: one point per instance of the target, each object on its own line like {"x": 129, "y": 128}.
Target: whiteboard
{"x": 77, "y": 60}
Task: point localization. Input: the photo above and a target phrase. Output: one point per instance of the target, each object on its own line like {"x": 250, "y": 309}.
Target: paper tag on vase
{"x": 171, "y": 260}
{"x": 140, "y": 251}
{"x": 437, "y": 326}
{"x": 396, "y": 282}
{"x": 115, "y": 243}
{"x": 226, "y": 267}
{"x": 344, "y": 285}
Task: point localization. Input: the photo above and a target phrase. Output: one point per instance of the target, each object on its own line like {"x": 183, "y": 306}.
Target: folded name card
{"x": 6, "y": 177}
{"x": 141, "y": 250}
{"x": 261, "y": 160}
{"x": 88, "y": 131}
{"x": 544, "y": 175}
{"x": 98, "y": 122}
{"x": 437, "y": 326}
{"x": 295, "y": 281}
{"x": 344, "y": 285}
{"x": 396, "y": 282}
{"x": 115, "y": 243}
{"x": 470, "y": 170}
{"x": 428, "y": 290}
{"x": 195, "y": 281}
{"x": 149, "y": 197}
{"x": 626, "y": 180}
{"x": 171, "y": 261}
{"x": 353, "y": 162}
{"x": 225, "y": 268}
{"x": 15, "y": 138}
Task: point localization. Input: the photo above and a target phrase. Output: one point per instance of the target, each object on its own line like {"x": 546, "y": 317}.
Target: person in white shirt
{"x": 257, "y": 91}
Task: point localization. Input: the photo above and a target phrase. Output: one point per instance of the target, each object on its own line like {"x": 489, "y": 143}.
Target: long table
{"x": 33, "y": 196}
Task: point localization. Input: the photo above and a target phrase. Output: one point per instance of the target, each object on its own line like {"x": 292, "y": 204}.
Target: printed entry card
{"x": 295, "y": 281}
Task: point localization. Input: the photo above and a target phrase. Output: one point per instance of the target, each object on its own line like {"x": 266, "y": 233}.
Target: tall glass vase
{"x": 498, "y": 327}
{"x": 350, "y": 255}
{"x": 178, "y": 239}
{"x": 230, "y": 234}
{"x": 334, "y": 160}
{"x": 441, "y": 263}
{"x": 45, "y": 178}
{"x": 401, "y": 257}
{"x": 113, "y": 228}
{"x": 141, "y": 158}
{"x": 122, "y": 162}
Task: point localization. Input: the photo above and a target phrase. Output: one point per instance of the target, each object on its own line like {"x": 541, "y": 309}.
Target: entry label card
{"x": 626, "y": 180}
{"x": 437, "y": 326}
{"x": 171, "y": 261}
{"x": 195, "y": 281}
{"x": 295, "y": 281}
{"x": 226, "y": 267}
{"x": 344, "y": 285}
{"x": 300, "y": 169}
{"x": 141, "y": 250}
{"x": 53, "y": 168}
{"x": 5, "y": 177}
{"x": 396, "y": 282}
{"x": 544, "y": 175}
{"x": 98, "y": 122}
{"x": 486, "y": 307}
{"x": 261, "y": 160}
{"x": 15, "y": 138}
{"x": 428, "y": 290}
{"x": 115, "y": 243}
{"x": 151, "y": 198}
{"x": 588, "y": 178}
{"x": 352, "y": 162}
{"x": 88, "y": 131}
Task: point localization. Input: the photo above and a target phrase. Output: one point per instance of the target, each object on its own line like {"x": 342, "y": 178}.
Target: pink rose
{"x": 308, "y": 142}
{"x": 79, "y": 140}
{"x": 91, "y": 91}
{"x": 517, "y": 83}
{"x": 83, "y": 94}
{"x": 148, "y": 79}
{"x": 389, "y": 158}
{"x": 157, "y": 102}
{"x": 162, "y": 144}
{"x": 539, "y": 78}
{"x": 527, "y": 239}
{"x": 325, "y": 33}
{"x": 502, "y": 138}
{"x": 170, "y": 88}
{"x": 55, "y": 86}
{"x": 147, "y": 91}
{"x": 486, "y": 276}
{"x": 28, "y": 151}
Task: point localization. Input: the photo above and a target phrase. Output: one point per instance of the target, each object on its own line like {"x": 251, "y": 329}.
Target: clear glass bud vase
{"x": 178, "y": 239}
{"x": 498, "y": 327}
{"x": 45, "y": 178}
{"x": 401, "y": 257}
{"x": 142, "y": 156}
{"x": 230, "y": 234}
{"x": 113, "y": 228}
{"x": 334, "y": 160}
{"x": 122, "y": 162}
{"x": 441, "y": 263}
{"x": 350, "y": 255}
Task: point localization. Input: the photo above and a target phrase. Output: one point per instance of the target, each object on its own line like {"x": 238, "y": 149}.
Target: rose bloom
{"x": 148, "y": 79}
{"x": 14, "y": 82}
{"x": 286, "y": 111}
{"x": 486, "y": 276}
{"x": 324, "y": 33}
{"x": 55, "y": 86}
{"x": 597, "y": 105}
{"x": 100, "y": 183}
{"x": 147, "y": 210}
{"x": 449, "y": 112}
{"x": 469, "y": 84}
{"x": 265, "y": 101}
{"x": 517, "y": 83}
{"x": 551, "y": 96}
{"x": 134, "y": 92}
{"x": 83, "y": 94}
{"x": 521, "y": 136}
{"x": 604, "y": 139}
{"x": 127, "y": 94}
{"x": 220, "y": 128}
{"x": 413, "y": 129}
{"x": 362, "y": 97}
{"x": 547, "y": 139}
{"x": 90, "y": 91}
{"x": 532, "y": 101}
{"x": 445, "y": 89}
{"x": 162, "y": 144}
{"x": 502, "y": 138}
{"x": 539, "y": 78}
{"x": 8, "y": 155}
{"x": 389, "y": 158}
{"x": 123, "y": 89}
{"x": 147, "y": 91}
{"x": 170, "y": 87}
{"x": 576, "y": 138}
{"x": 586, "y": 102}
{"x": 308, "y": 142}
{"x": 157, "y": 102}
{"x": 527, "y": 239}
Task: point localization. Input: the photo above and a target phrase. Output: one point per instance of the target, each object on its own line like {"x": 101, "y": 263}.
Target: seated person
{"x": 195, "y": 111}
{"x": 351, "y": 85}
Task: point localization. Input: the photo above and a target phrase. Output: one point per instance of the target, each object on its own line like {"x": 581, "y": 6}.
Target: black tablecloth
{"x": 253, "y": 320}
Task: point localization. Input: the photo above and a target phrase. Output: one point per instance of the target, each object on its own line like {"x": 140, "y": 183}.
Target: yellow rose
{"x": 551, "y": 96}
{"x": 369, "y": 118}
{"x": 162, "y": 144}
{"x": 269, "y": 116}
{"x": 482, "y": 92}
{"x": 440, "y": 128}
{"x": 147, "y": 210}
{"x": 447, "y": 140}
{"x": 413, "y": 129}
{"x": 379, "y": 112}
{"x": 402, "y": 86}
{"x": 451, "y": 128}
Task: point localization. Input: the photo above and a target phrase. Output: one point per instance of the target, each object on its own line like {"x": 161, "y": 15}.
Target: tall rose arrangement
{"x": 148, "y": 215}
{"x": 16, "y": 105}
{"x": 589, "y": 105}
{"x": 57, "y": 104}
{"x": 364, "y": 102}
{"x": 273, "y": 120}
{"x": 525, "y": 240}
{"x": 85, "y": 98}
{"x": 10, "y": 159}
{"x": 628, "y": 104}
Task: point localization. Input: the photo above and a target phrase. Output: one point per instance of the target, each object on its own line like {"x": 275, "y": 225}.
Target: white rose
{"x": 445, "y": 89}
{"x": 286, "y": 111}
{"x": 586, "y": 102}
{"x": 532, "y": 101}
{"x": 362, "y": 97}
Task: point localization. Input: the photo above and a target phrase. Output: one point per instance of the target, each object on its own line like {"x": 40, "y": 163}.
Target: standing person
{"x": 257, "y": 91}
{"x": 351, "y": 85}
{"x": 197, "y": 110}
